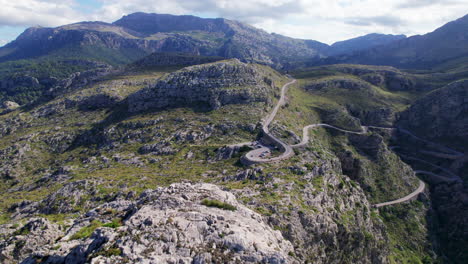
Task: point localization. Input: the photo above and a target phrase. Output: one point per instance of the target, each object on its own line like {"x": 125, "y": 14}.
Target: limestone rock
{"x": 209, "y": 85}
{"x": 9, "y": 105}
{"x": 166, "y": 225}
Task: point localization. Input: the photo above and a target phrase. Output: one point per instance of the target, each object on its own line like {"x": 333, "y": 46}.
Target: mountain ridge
{"x": 163, "y": 33}
{"x": 446, "y": 43}
{"x": 135, "y": 35}
{"x": 363, "y": 43}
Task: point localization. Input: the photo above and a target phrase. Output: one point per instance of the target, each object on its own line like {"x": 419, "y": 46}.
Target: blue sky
{"x": 88, "y": 6}
{"x": 323, "y": 20}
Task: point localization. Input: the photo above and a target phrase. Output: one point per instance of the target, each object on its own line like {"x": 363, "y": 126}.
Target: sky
{"x": 326, "y": 21}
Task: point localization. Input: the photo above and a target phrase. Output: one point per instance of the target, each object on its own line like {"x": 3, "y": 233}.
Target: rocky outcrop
{"x": 398, "y": 176}
{"x": 36, "y": 235}
{"x": 80, "y": 79}
{"x": 183, "y": 223}
{"x": 160, "y": 59}
{"x": 319, "y": 233}
{"x": 209, "y": 85}
{"x": 25, "y": 89}
{"x": 8, "y": 106}
{"x": 339, "y": 82}
{"x": 71, "y": 198}
{"x": 160, "y": 148}
{"x": 382, "y": 76}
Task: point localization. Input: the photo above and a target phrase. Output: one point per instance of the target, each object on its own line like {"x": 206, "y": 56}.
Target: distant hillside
{"x": 446, "y": 43}
{"x": 441, "y": 115}
{"x": 140, "y": 34}
{"x": 363, "y": 43}
{"x": 158, "y": 59}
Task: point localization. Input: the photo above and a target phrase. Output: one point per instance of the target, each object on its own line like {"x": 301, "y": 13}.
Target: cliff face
{"x": 212, "y": 85}
{"x": 440, "y": 120}
{"x": 25, "y": 89}
{"x": 440, "y": 115}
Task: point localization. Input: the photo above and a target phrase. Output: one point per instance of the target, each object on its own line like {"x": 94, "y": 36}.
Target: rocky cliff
{"x": 26, "y": 87}
{"x": 441, "y": 115}
{"x": 439, "y": 121}
{"x": 212, "y": 85}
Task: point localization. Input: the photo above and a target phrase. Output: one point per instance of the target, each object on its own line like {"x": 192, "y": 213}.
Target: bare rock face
{"x": 37, "y": 235}
{"x": 166, "y": 225}
{"x": 64, "y": 200}
{"x": 160, "y": 148}
{"x": 9, "y": 105}
{"x": 211, "y": 85}
{"x": 80, "y": 79}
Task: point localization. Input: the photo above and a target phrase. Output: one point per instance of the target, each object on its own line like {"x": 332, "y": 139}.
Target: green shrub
{"x": 114, "y": 224}
{"x": 86, "y": 231}
{"x": 22, "y": 232}
{"x": 218, "y": 204}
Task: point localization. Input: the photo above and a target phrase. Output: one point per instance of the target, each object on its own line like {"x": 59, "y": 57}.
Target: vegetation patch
{"x": 87, "y": 231}
{"x": 218, "y": 204}
{"x": 114, "y": 224}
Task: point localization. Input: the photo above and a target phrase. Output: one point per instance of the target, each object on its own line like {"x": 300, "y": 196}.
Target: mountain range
{"x": 140, "y": 34}
{"x": 444, "y": 45}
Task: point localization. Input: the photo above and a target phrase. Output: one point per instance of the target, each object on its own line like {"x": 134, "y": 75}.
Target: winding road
{"x": 269, "y": 143}
{"x": 409, "y": 197}
{"x": 256, "y": 155}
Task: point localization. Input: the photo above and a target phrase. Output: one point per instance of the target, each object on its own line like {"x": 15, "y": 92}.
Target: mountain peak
{"x": 151, "y": 23}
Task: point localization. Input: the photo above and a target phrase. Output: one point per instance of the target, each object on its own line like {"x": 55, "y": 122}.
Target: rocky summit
{"x": 183, "y": 223}
{"x": 179, "y": 139}
{"x": 217, "y": 84}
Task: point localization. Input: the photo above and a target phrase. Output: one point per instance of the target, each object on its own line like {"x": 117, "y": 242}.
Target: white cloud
{"x": 323, "y": 20}
{"x": 333, "y": 20}
{"x": 38, "y": 12}
{"x": 247, "y": 11}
